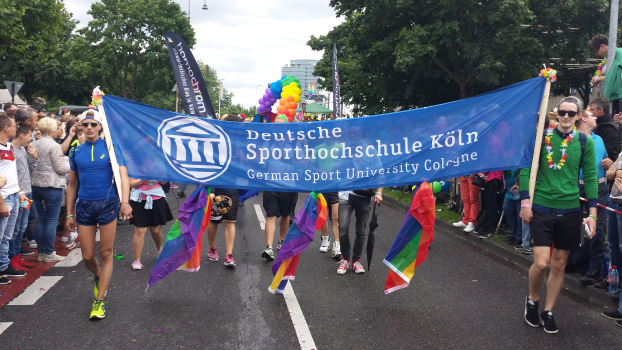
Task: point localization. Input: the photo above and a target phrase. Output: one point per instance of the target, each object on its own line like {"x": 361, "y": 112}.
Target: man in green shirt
{"x": 554, "y": 217}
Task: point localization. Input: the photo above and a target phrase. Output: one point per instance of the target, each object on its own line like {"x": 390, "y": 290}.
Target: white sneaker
{"x": 53, "y": 257}
{"x": 64, "y": 239}
{"x": 72, "y": 240}
{"x": 136, "y": 265}
{"x": 32, "y": 244}
{"x": 459, "y": 224}
{"x": 325, "y": 244}
{"x": 41, "y": 257}
{"x": 343, "y": 266}
{"x": 469, "y": 228}
{"x": 336, "y": 249}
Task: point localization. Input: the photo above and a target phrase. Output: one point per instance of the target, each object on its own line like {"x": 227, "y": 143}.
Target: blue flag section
{"x": 494, "y": 131}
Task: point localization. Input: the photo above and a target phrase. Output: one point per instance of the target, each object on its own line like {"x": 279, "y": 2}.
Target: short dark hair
{"x": 9, "y": 105}
{"x": 232, "y": 118}
{"x": 23, "y": 114}
{"x": 601, "y": 102}
{"x": 596, "y": 41}
{"x": 23, "y": 129}
{"x": 5, "y": 120}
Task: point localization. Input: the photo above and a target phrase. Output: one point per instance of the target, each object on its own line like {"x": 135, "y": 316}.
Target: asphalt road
{"x": 462, "y": 297}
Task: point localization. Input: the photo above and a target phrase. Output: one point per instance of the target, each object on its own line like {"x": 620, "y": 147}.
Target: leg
{"x": 284, "y": 227}
{"x": 156, "y": 235}
{"x": 87, "y": 246}
{"x": 556, "y": 277}
{"x": 363, "y": 206}
{"x": 212, "y": 230}
{"x": 345, "y": 213}
{"x": 229, "y": 236}
{"x": 335, "y": 221}
{"x": 537, "y": 271}
{"x": 509, "y": 208}
{"x": 474, "y": 197}
{"x": 106, "y": 245}
{"x": 12, "y": 202}
{"x": 138, "y": 241}
{"x": 465, "y": 194}
{"x": 270, "y": 228}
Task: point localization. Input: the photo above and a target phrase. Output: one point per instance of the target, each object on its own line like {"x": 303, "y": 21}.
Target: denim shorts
{"x": 93, "y": 212}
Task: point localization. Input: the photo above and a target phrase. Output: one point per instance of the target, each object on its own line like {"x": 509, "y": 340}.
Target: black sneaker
{"x": 548, "y": 322}
{"x": 602, "y": 284}
{"x": 528, "y": 251}
{"x": 4, "y": 280}
{"x": 614, "y": 314}
{"x": 25, "y": 252}
{"x": 181, "y": 194}
{"x": 518, "y": 247}
{"x": 11, "y": 272}
{"x": 484, "y": 235}
{"x": 531, "y": 312}
{"x": 591, "y": 278}
{"x": 619, "y": 323}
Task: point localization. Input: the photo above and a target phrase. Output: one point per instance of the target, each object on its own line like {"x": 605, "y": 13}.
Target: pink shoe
{"x": 357, "y": 267}
{"x": 212, "y": 254}
{"x": 229, "y": 260}
{"x": 136, "y": 265}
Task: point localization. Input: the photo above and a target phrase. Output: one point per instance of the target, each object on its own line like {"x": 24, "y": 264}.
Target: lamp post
{"x": 204, "y": 7}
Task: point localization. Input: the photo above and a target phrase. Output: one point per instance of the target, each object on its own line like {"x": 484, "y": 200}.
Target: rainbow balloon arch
{"x": 287, "y": 90}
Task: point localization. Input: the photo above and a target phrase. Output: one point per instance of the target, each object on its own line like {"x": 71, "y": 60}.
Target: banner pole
{"x": 109, "y": 145}
{"x": 535, "y": 162}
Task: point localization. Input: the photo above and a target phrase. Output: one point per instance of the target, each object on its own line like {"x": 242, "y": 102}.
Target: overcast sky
{"x": 247, "y": 41}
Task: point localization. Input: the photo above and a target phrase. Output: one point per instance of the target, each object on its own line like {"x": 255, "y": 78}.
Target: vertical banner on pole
{"x": 336, "y": 88}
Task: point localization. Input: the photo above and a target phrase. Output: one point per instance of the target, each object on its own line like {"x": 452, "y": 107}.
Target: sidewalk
{"x": 571, "y": 281}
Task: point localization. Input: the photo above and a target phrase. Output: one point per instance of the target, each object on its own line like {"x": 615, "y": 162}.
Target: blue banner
{"x": 494, "y": 131}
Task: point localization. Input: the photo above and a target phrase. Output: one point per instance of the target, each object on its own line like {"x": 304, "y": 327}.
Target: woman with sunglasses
{"x": 97, "y": 204}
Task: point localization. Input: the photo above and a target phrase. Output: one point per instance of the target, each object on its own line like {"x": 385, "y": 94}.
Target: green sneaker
{"x": 268, "y": 254}
{"x": 99, "y": 310}
{"x": 96, "y": 286}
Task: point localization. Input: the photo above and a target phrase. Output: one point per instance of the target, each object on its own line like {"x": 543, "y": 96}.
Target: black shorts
{"x": 563, "y": 231}
{"x": 93, "y": 212}
{"x": 232, "y": 214}
{"x": 331, "y": 198}
{"x": 278, "y": 203}
{"x": 158, "y": 215}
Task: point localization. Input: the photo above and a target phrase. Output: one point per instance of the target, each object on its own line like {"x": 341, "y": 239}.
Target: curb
{"x": 571, "y": 281}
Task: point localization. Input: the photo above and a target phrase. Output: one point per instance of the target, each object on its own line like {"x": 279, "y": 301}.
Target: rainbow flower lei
{"x": 562, "y": 148}
{"x": 599, "y": 69}
{"x": 549, "y": 74}
{"x": 96, "y": 97}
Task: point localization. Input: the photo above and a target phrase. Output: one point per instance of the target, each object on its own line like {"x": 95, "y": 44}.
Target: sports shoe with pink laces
{"x": 357, "y": 267}
{"x": 136, "y": 265}
{"x": 229, "y": 260}
{"x": 343, "y": 266}
{"x": 212, "y": 254}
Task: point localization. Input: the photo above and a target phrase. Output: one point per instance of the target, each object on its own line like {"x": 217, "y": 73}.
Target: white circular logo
{"x": 198, "y": 150}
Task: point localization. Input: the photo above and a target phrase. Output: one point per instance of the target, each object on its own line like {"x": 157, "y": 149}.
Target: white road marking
{"x": 262, "y": 220}
{"x": 72, "y": 259}
{"x": 4, "y": 326}
{"x": 35, "y": 290}
{"x": 298, "y": 319}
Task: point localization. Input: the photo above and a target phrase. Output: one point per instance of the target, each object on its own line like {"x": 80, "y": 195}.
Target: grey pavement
{"x": 465, "y": 296}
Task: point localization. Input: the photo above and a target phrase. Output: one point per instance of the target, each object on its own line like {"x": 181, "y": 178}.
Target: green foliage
{"x": 410, "y": 53}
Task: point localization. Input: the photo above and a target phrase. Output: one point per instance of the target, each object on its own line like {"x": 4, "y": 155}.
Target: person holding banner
{"x": 555, "y": 215}
{"x": 97, "y": 204}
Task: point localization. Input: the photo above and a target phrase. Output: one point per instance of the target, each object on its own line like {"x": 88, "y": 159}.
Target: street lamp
{"x": 204, "y": 5}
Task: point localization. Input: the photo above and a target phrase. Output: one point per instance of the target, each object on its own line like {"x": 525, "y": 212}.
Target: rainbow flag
{"x": 182, "y": 247}
{"x": 411, "y": 245}
{"x": 311, "y": 217}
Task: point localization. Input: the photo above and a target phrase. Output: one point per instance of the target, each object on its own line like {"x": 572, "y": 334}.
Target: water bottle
{"x": 614, "y": 279}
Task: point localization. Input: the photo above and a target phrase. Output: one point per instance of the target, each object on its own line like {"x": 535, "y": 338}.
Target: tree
{"x": 29, "y": 39}
{"x": 408, "y": 53}
{"x": 122, "y": 49}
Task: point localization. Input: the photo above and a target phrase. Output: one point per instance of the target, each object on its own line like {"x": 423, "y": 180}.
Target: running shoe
{"x": 531, "y": 312}
{"x": 181, "y": 194}
{"x": 95, "y": 286}
{"x": 548, "y": 322}
{"x": 73, "y": 239}
{"x": 53, "y": 257}
{"x": 98, "y": 311}
{"x": 14, "y": 263}
{"x": 40, "y": 256}
{"x": 336, "y": 249}
{"x": 325, "y": 244}
{"x": 25, "y": 252}
{"x": 459, "y": 224}
{"x": 343, "y": 266}
{"x": 32, "y": 244}
{"x": 25, "y": 263}
{"x": 614, "y": 314}
{"x": 268, "y": 254}
{"x": 357, "y": 267}
{"x": 11, "y": 272}
{"x": 528, "y": 251}
{"x": 212, "y": 254}
{"x": 64, "y": 239}
{"x": 469, "y": 227}
{"x": 4, "y": 280}
{"x": 136, "y": 265}
{"x": 229, "y": 260}
{"x": 279, "y": 243}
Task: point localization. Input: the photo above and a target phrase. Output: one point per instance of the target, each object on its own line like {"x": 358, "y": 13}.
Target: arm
{"x": 70, "y": 222}
{"x": 590, "y": 183}
{"x": 378, "y": 196}
{"x": 57, "y": 157}
{"x": 67, "y": 142}
{"x": 126, "y": 209}
{"x": 525, "y": 213}
{"x": 609, "y": 134}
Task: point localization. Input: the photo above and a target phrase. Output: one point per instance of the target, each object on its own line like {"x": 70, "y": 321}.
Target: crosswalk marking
{"x": 262, "y": 220}
{"x": 72, "y": 259}
{"x": 35, "y": 290}
{"x": 4, "y": 326}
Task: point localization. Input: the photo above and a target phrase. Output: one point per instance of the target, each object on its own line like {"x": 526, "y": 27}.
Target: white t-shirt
{"x": 8, "y": 168}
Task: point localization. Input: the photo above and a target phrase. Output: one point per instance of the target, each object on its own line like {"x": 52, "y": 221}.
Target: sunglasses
{"x": 92, "y": 125}
{"x": 571, "y": 114}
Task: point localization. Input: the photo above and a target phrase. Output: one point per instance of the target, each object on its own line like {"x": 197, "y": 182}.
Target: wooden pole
{"x": 109, "y": 145}
{"x": 535, "y": 162}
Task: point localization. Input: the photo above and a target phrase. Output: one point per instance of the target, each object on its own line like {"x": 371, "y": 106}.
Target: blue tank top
{"x": 92, "y": 162}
